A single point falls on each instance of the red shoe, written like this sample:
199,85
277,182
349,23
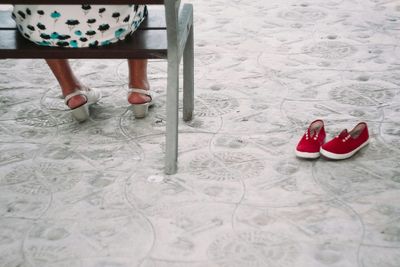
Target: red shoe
346,144
310,144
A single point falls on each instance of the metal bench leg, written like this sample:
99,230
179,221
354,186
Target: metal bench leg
188,78
171,153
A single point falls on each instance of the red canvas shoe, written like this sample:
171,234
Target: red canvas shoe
346,144
310,144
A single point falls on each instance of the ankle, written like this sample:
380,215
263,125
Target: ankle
143,84
72,88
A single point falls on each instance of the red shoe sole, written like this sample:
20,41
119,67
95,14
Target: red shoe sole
307,155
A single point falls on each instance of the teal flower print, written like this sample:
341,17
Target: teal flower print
54,35
44,43
119,32
55,15
73,43
106,42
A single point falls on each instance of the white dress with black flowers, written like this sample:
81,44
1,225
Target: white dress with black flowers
77,26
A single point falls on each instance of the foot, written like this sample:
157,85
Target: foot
140,108
78,100
82,95
137,98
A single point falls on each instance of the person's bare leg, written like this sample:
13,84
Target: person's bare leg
69,83
138,79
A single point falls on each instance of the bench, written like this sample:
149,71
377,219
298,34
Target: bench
161,36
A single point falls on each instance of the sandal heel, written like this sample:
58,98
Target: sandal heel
140,110
81,113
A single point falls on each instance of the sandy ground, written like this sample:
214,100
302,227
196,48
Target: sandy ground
94,194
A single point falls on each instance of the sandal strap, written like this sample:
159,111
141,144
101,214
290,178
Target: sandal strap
76,93
141,91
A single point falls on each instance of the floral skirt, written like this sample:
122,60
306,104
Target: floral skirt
77,26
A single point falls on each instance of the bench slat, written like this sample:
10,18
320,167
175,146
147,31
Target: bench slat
79,2
155,20
150,44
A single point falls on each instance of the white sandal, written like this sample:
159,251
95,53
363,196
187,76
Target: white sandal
140,110
81,113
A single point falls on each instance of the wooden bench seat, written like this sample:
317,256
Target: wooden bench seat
165,34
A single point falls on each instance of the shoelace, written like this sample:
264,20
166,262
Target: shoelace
345,138
315,136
